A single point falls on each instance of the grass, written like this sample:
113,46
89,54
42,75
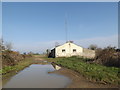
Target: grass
21,65
92,71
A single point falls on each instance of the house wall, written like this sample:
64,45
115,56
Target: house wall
52,53
68,50
88,53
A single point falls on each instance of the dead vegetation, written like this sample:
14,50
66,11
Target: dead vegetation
109,56
10,57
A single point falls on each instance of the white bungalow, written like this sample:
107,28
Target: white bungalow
70,49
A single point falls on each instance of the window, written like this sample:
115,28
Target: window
63,50
74,50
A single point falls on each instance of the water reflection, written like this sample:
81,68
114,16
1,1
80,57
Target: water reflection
56,67
37,76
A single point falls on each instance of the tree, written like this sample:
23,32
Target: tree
2,47
24,53
92,47
8,45
48,51
56,44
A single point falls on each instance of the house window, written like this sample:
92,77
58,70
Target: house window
74,50
63,50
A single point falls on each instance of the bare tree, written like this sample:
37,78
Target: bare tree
8,45
2,47
0,44
1,41
56,44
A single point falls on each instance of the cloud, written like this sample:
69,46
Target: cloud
42,46
99,41
39,47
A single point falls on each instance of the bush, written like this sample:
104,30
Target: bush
11,58
108,56
92,47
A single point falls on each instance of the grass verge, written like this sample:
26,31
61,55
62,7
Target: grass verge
21,65
94,72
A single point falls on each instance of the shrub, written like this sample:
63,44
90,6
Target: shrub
108,57
92,47
11,58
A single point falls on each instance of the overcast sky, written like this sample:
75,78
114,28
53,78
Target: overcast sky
36,26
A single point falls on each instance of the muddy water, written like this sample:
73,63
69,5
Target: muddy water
37,76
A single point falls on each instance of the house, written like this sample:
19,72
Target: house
70,49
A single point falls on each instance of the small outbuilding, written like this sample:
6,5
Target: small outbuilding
70,49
